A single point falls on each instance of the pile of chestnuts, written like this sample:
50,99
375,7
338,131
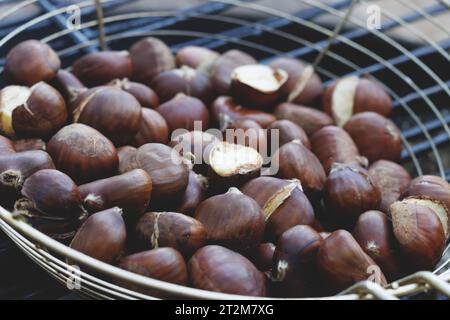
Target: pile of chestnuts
116,159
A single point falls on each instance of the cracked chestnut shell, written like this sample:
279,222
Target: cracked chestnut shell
218,269
102,236
130,191
232,219
196,57
374,233
83,153
38,111
288,131
113,112
351,95
392,180
153,129
30,62
342,262
375,136
349,192
168,229
99,68
332,144
421,229
145,95
309,119
283,203
149,57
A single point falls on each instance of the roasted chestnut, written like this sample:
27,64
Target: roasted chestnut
349,192
68,85
30,62
38,111
102,236
153,128
195,57
216,268
375,136
225,111
288,131
168,229
294,262
294,161
257,85
185,80
83,153
421,229
6,146
392,180
194,194
232,219
342,263
373,231
29,145
223,67
150,57
309,119
99,68
146,96
247,133
130,191
183,111
113,112
283,203
332,144
350,95
303,85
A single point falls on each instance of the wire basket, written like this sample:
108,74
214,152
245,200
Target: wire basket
420,104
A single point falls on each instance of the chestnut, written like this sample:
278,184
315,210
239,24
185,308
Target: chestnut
189,81
38,111
350,95
165,167
294,262
125,155
374,233
150,56
262,256
223,67
224,111
83,153
283,203
153,128
146,97
113,112
68,85
102,236
130,191
168,229
195,57
375,136
30,62
216,268
247,133
342,262
294,161
392,180
29,144
349,192
99,68
309,119
232,219
232,165
421,229
194,194
183,111
257,85
165,264
303,85
288,131
332,144
6,146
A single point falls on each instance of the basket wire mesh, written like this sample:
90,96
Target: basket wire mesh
425,139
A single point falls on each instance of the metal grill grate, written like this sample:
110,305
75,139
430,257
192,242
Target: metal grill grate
414,73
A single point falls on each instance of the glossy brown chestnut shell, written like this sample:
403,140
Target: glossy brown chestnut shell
29,144
125,155
218,269
153,129
6,146
377,137
232,219
168,229
262,256
195,57
68,85
283,203
145,95
30,62
288,131
195,193
83,153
